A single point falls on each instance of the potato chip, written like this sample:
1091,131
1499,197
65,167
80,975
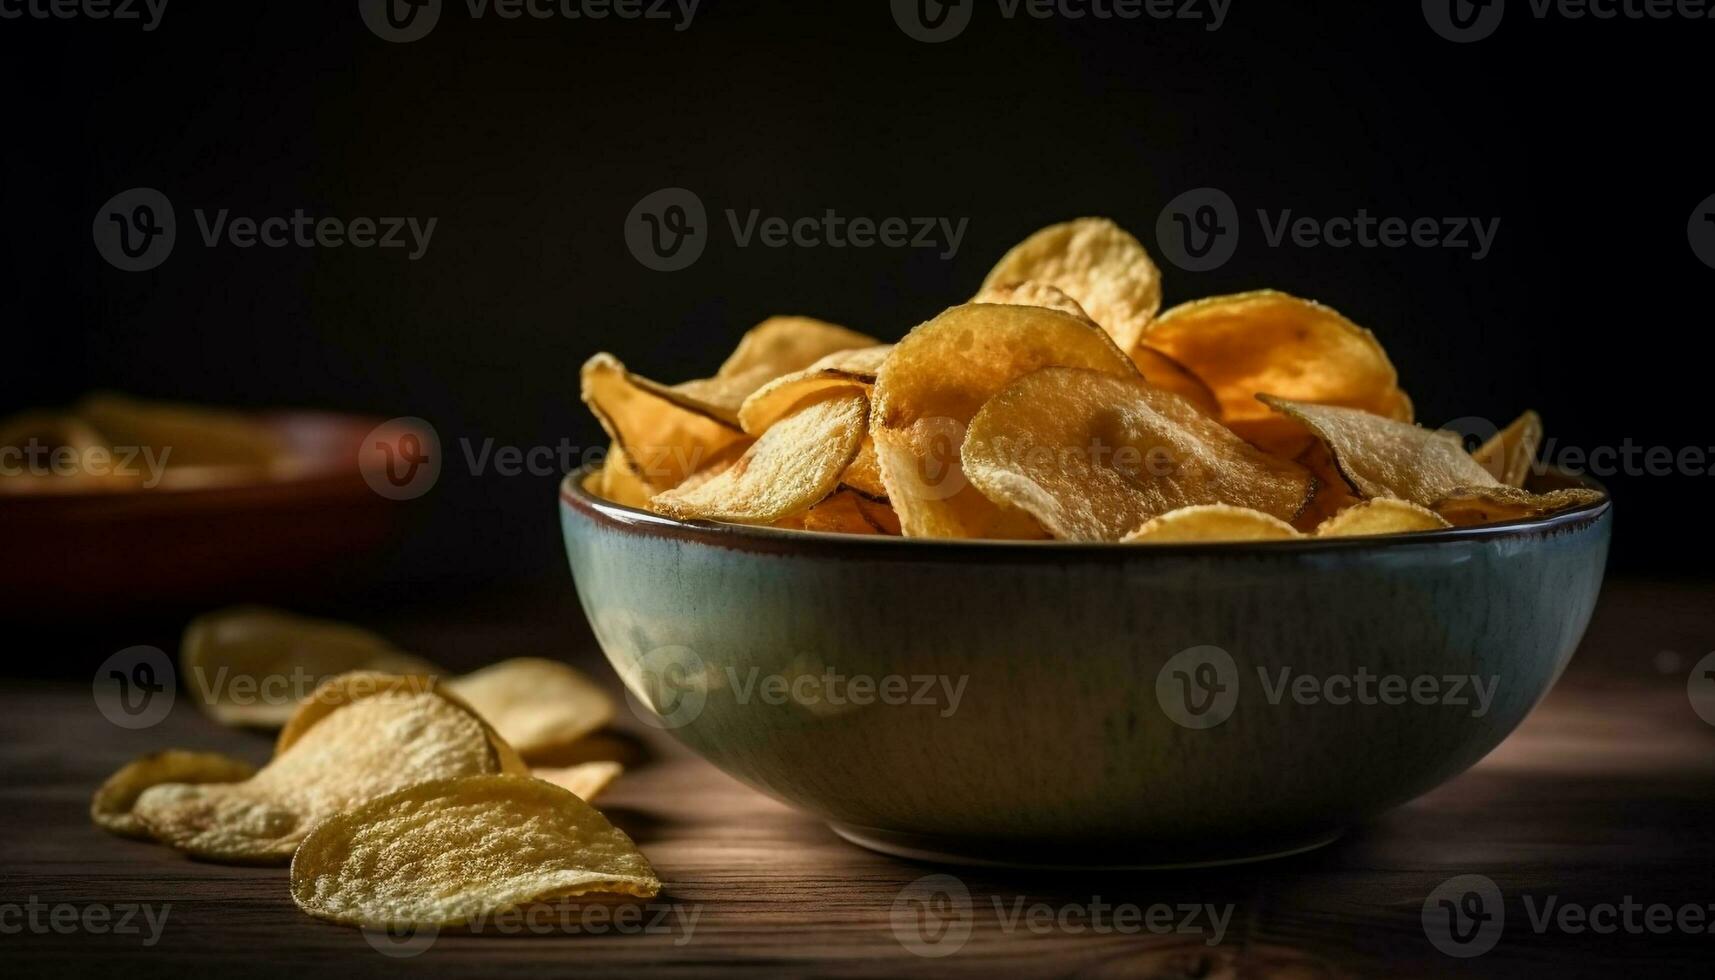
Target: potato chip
880,514
365,749
1212,522
1333,493
618,481
1510,453
585,780
1032,293
111,806
1384,458
249,665
1270,343
1092,456
1486,505
1383,515
662,439
864,474
796,463
842,513
446,852
783,344
937,379
348,688
196,435
1097,263
854,369
536,705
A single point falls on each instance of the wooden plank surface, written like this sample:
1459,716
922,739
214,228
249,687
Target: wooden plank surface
1606,793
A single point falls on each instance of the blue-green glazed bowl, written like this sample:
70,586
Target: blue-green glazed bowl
1075,705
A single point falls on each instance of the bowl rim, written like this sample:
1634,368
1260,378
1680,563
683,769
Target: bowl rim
575,498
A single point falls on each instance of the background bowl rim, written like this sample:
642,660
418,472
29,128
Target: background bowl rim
575,498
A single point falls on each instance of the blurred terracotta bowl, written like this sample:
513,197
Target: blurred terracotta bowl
211,533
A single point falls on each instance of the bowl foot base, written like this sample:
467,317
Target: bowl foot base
980,854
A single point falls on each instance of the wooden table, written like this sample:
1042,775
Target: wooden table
1607,791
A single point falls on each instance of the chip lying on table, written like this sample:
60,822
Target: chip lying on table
1061,403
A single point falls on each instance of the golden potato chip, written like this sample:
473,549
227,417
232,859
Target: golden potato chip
1383,515
773,401
864,475
1097,263
585,780
1164,372
536,705
796,463
196,435
1333,493
1212,522
111,806
249,665
1384,458
937,379
783,344
443,853
842,513
1032,293
1270,343
364,749
662,439
618,481
1510,453
1092,456
1487,505
337,692
880,514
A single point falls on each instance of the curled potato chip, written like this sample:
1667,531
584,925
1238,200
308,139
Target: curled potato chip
662,439
864,474
348,688
361,750
1271,343
585,780
1092,456
1384,458
1509,454
773,401
111,806
445,852
796,463
934,383
250,665
537,705
1164,372
1486,505
1212,522
1383,515
618,481
1333,493
1098,264
783,344
842,513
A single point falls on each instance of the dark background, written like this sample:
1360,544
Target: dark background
530,141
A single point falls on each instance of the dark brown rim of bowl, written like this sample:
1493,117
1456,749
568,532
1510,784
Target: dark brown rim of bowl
772,540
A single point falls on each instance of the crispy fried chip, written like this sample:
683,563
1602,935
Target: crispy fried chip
1212,522
1384,458
1383,515
864,475
111,806
1486,505
337,692
662,439
796,463
937,379
842,513
1164,372
537,705
443,853
585,780
1093,456
249,665
1333,493
1509,454
1270,343
364,749
783,344
617,480
1098,264
855,369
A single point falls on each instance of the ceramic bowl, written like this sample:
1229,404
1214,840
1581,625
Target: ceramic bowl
1073,705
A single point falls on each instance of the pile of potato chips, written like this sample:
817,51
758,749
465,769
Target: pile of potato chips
399,798
1060,404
